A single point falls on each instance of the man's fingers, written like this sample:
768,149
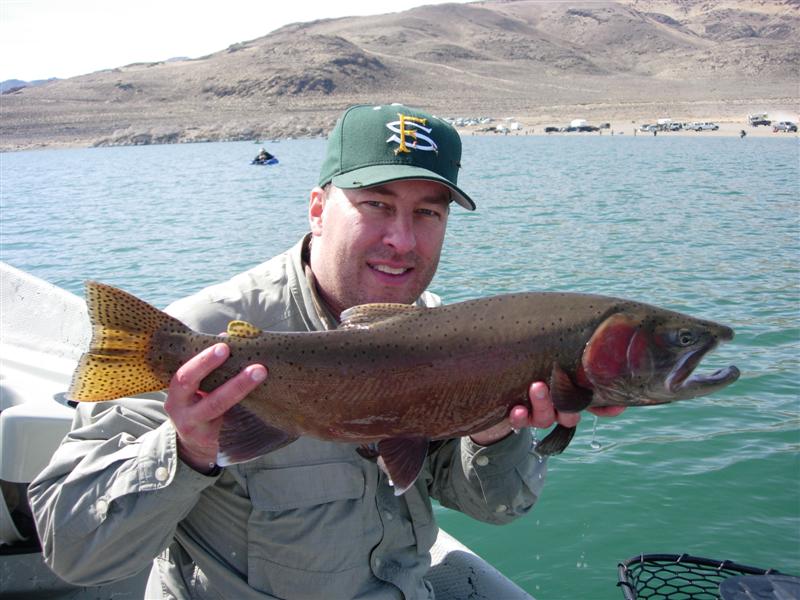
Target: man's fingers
568,419
519,417
183,389
186,381
606,411
544,414
197,415
230,393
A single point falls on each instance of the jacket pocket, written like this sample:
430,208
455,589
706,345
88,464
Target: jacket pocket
307,518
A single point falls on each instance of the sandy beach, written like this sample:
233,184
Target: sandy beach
631,128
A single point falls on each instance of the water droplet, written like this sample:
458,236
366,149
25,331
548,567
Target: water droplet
594,444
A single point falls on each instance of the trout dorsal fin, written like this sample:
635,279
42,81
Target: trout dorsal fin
361,317
243,329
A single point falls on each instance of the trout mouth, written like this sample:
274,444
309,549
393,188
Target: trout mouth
682,382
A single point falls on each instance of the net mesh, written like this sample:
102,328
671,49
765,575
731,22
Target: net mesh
677,576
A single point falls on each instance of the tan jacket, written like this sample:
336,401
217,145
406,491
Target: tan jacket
307,521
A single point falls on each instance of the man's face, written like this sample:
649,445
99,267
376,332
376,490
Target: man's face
378,244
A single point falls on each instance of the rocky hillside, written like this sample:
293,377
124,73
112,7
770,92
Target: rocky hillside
536,60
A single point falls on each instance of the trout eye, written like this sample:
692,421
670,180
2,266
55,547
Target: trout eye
686,337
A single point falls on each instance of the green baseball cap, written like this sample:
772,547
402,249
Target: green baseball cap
371,145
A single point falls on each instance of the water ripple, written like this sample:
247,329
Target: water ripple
710,227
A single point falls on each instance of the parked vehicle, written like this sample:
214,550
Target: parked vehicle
786,126
759,119
705,126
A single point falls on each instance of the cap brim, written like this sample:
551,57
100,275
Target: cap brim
379,174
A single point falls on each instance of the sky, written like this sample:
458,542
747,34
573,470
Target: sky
40,39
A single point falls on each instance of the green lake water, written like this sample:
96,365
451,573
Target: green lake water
708,226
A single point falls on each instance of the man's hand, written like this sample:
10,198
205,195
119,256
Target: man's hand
542,416
196,415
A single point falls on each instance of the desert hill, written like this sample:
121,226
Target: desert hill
539,61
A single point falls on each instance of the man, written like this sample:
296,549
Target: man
137,479
263,156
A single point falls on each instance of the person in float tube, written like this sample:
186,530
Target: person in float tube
135,481
263,156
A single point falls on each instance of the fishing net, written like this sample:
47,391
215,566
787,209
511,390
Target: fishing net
678,576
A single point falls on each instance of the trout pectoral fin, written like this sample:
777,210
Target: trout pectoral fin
243,329
556,441
402,460
365,315
244,436
566,396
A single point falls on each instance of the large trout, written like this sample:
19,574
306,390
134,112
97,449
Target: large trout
395,376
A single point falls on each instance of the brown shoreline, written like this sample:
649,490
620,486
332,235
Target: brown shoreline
631,129
528,127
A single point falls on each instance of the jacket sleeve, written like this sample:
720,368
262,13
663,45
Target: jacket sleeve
111,497
495,484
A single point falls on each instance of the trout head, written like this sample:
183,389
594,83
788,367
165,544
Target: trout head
649,356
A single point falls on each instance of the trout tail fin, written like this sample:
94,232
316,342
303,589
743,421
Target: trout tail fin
118,361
